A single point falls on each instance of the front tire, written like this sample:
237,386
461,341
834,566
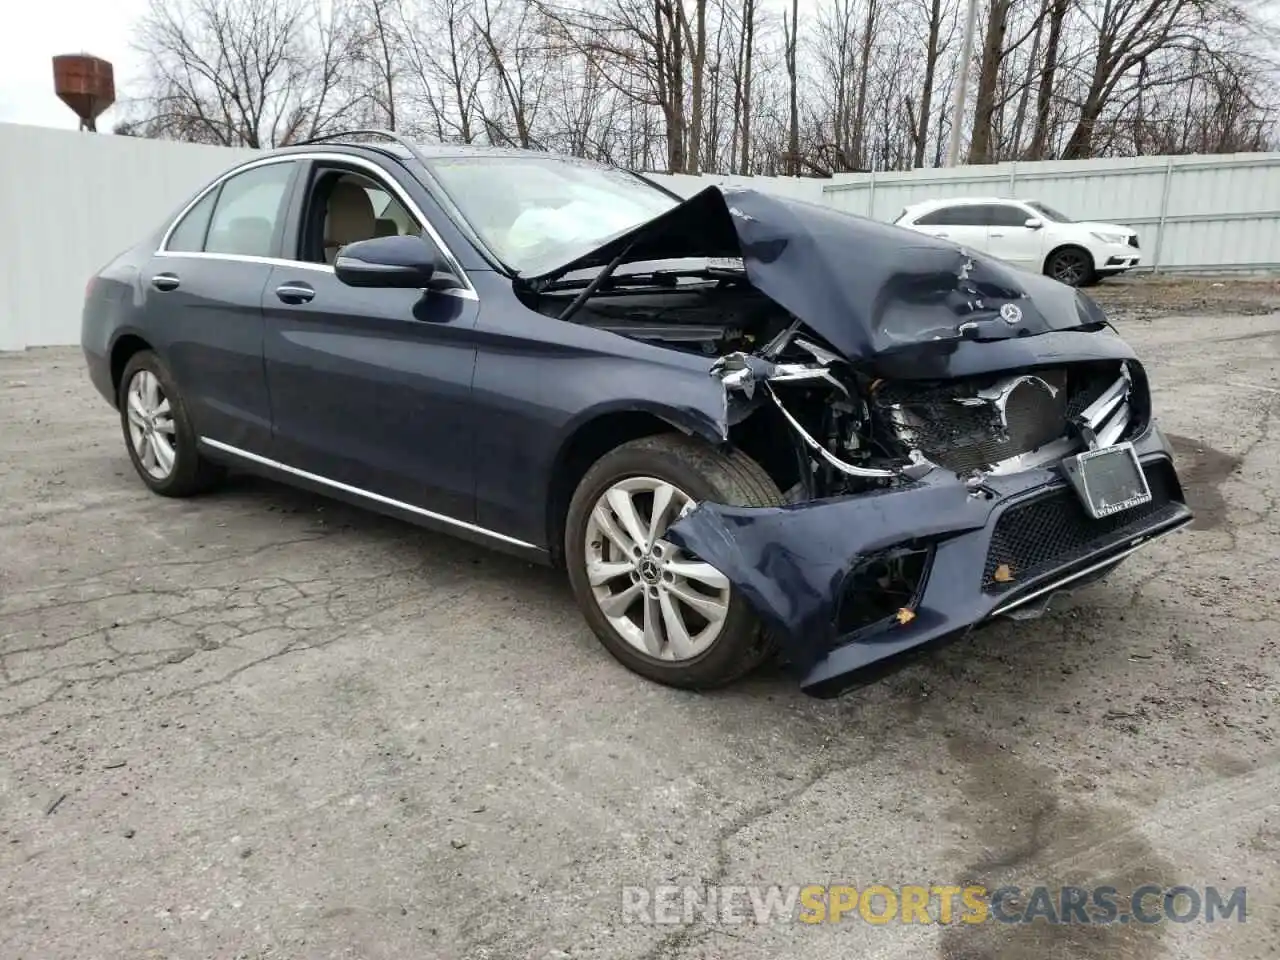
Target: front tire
158,432
1073,266
662,613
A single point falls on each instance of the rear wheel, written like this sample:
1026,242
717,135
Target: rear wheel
1072,266
661,612
158,432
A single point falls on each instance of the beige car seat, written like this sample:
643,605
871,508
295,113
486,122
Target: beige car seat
350,218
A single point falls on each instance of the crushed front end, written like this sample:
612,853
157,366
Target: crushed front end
931,501
956,439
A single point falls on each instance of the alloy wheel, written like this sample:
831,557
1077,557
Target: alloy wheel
1069,267
663,602
151,428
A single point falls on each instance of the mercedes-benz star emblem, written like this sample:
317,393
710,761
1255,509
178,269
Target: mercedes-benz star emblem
1010,313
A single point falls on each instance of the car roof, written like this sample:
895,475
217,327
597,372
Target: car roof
963,201
428,150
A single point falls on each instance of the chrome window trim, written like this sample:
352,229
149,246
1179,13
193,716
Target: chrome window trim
466,293
376,497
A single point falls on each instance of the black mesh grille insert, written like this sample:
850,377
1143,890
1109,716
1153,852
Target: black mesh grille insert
1053,530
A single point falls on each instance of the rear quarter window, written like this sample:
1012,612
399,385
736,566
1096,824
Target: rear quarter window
188,235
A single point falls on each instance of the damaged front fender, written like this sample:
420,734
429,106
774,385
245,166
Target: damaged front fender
790,563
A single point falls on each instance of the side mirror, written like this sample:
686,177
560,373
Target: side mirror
406,262
1034,223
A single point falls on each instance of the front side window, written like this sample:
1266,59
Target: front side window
537,213
249,208
1048,212
1002,215
348,207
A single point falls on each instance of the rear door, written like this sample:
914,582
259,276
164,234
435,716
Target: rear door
203,304
370,388
1009,237
960,223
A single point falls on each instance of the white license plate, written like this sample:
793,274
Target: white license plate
1109,480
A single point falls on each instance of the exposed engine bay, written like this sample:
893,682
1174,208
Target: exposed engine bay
708,316
849,431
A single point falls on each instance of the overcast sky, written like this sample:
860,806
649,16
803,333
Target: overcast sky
29,42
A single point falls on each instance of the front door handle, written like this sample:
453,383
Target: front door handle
295,292
165,281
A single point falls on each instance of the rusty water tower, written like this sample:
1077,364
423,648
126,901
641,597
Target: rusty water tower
85,84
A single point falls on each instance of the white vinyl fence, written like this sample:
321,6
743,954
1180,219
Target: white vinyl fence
1191,213
71,201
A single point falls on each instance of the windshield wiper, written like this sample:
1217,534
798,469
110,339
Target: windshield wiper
649,278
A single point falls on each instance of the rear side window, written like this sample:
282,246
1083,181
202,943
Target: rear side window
249,209
967,215
188,235
956,215
936,217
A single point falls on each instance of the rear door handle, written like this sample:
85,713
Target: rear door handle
295,292
165,281
997,234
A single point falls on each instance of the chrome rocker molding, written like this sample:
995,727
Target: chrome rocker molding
365,494
1141,541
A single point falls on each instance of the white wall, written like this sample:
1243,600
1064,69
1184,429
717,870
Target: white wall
71,201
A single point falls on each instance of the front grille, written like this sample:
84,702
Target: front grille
1054,530
958,425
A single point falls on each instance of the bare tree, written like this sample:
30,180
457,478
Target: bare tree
715,85
255,73
511,41
791,33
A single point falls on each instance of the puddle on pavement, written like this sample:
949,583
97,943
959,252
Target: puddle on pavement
1203,470
1019,832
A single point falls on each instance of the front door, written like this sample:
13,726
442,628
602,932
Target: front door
1010,239
370,388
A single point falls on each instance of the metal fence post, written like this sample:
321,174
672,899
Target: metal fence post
1164,213
871,198
1013,178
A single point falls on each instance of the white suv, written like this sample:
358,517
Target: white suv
1029,234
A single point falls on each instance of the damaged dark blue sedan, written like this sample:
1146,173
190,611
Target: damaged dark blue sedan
745,425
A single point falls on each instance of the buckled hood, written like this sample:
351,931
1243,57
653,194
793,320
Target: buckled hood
868,288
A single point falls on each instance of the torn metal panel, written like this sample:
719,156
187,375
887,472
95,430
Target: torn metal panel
743,374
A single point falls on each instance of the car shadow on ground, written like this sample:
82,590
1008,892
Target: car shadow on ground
1044,648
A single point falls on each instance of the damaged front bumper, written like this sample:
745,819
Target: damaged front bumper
968,555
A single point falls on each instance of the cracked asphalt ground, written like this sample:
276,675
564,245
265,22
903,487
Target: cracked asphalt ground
261,724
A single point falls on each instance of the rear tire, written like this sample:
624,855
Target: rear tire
685,648
158,432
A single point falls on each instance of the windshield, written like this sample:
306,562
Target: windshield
536,213
1048,212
